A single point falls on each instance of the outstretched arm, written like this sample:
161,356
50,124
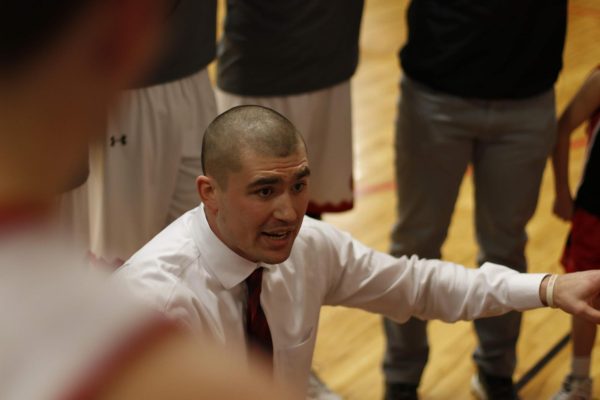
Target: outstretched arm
576,293
433,289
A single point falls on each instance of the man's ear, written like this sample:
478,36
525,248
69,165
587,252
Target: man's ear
208,190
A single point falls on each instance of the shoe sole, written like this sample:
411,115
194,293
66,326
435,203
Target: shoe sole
477,389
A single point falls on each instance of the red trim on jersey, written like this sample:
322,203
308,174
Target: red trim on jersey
118,359
314,208
103,263
22,215
320,208
581,251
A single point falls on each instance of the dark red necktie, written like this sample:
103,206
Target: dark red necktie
257,328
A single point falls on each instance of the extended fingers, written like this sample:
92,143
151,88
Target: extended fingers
589,313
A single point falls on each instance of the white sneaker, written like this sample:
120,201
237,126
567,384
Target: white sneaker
575,389
318,390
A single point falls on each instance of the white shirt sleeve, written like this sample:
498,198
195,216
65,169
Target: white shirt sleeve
428,289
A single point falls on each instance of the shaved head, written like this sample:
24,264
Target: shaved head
246,130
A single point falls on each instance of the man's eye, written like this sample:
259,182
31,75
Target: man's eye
298,187
264,192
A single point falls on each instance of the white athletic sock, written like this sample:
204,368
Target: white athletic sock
580,367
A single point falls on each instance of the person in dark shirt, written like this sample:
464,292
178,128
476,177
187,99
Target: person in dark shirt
477,89
297,57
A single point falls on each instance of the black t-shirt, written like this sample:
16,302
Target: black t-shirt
284,47
487,49
190,42
588,195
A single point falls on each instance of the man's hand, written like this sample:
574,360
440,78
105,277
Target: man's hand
577,293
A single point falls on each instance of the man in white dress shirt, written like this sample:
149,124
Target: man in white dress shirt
254,194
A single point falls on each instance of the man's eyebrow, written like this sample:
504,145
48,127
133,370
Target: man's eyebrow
264,182
303,173
273,180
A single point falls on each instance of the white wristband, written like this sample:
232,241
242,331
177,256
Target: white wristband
550,291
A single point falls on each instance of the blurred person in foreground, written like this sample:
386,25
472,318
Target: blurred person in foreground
67,332
249,269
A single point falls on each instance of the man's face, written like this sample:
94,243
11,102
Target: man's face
261,210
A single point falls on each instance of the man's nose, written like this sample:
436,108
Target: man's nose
285,210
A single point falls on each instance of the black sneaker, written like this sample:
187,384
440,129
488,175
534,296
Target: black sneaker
401,391
491,387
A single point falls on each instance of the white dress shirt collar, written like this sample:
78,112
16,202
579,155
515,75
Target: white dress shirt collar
226,265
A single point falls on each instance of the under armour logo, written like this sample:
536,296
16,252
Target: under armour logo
114,140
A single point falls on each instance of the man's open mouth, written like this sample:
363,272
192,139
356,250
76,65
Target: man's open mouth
278,234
